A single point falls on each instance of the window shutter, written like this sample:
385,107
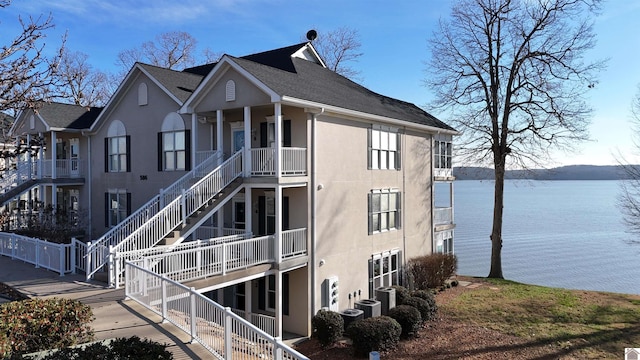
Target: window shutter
285,294
262,209
106,209
399,207
106,154
264,135
261,294
160,151
128,203
370,212
369,148
285,213
128,146
286,128
398,151
187,145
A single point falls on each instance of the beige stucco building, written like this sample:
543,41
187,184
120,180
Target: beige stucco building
324,188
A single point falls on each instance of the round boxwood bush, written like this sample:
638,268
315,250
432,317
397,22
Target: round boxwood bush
118,349
328,327
401,294
426,311
378,333
431,299
408,317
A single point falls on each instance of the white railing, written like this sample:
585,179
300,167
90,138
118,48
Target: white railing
65,168
209,232
196,260
442,215
220,331
294,243
60,258
264,322
443,172
211,260
121,257
202,156
23,172
294,161
98,257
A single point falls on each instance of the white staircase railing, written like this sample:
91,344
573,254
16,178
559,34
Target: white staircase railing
23,172
220,331
98,251
179,210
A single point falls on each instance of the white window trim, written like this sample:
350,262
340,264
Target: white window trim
396,210
389,278
383,155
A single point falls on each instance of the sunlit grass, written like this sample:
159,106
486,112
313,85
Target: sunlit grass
595,324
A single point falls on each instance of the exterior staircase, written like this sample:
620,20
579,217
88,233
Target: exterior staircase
169,217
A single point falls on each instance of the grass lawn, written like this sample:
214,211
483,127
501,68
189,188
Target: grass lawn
585,323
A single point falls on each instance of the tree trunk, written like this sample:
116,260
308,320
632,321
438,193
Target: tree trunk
496,230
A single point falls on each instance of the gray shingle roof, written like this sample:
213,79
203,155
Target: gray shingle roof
181,84
68,116
310,81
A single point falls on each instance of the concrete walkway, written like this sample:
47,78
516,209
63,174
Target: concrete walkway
114,317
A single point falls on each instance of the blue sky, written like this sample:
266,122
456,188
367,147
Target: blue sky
393,36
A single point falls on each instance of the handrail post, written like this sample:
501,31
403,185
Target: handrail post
111,267
73,251
183,202
277,349
163,284
228,332
37,259
224,259
61,260
192,312
87,265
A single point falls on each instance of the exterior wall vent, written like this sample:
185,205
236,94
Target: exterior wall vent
231,90
142,94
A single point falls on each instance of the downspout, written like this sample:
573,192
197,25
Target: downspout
89,172
403,211
314,206
433,184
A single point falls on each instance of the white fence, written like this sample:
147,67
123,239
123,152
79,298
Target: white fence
223,333
61,258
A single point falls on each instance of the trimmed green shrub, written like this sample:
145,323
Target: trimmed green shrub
119,349
430,298
41,324
409,319
431,271
378,333
401,294
328,327
427,312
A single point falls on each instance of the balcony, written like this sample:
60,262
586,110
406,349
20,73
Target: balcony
442,216
294,161
443,173
64,168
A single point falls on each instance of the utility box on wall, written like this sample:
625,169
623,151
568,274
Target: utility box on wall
330,293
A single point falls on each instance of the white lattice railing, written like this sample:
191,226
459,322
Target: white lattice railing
223,333
265,323
98,251
23,172
294,161
65,168
209,232
294,243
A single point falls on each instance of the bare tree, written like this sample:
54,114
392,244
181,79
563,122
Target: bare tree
512,75
338,48
26,74
79,82
172,50
629,198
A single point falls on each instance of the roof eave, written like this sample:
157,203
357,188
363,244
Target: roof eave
287,100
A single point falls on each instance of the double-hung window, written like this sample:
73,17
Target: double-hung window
384,210
117,206
384,148
174,151
117,149
384,270
442,154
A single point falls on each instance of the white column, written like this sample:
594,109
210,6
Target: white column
29,161
278,130
278,330
219,130
277,246
194,140
54,155
247,142
40,158
220,214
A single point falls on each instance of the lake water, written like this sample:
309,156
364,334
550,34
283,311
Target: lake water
556,233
